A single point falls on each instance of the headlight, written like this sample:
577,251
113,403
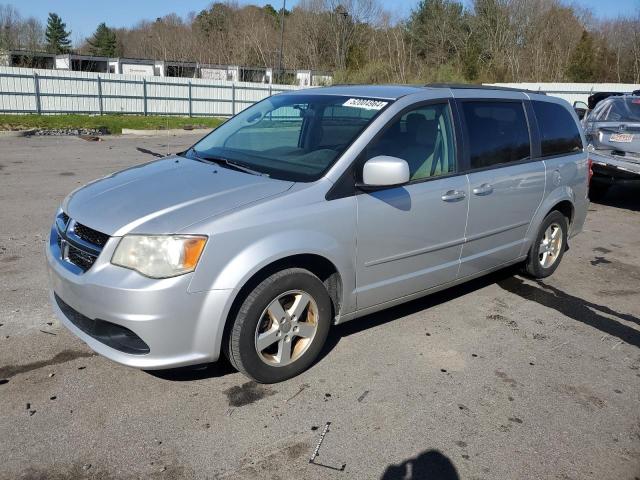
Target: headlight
159,256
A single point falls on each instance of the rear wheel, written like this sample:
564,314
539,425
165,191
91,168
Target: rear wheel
280,327
548,248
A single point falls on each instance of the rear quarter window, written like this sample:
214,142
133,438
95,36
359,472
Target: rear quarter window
559,134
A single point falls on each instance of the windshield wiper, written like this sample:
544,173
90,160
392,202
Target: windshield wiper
228,163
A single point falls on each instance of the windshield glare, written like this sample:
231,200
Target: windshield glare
291,137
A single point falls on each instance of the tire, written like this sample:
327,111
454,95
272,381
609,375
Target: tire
598,190
303,338
537,265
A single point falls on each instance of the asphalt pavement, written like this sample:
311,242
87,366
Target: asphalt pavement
500,378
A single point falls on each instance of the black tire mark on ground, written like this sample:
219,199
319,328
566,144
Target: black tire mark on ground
9,371
599,261
247,393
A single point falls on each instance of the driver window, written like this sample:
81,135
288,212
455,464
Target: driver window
423,137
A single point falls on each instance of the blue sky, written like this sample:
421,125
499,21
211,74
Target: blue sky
82,16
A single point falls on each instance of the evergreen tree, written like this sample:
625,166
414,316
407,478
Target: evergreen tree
104,42
582,63
56,35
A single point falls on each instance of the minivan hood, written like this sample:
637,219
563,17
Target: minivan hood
166,196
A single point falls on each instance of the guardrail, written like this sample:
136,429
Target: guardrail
44,92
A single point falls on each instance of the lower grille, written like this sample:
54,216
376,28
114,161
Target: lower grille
80,258
112,335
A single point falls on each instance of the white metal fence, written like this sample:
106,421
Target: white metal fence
573,92
27,90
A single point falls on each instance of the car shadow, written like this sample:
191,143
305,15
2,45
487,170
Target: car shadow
576,308
429,465
222,367
405,309
197,372
622,196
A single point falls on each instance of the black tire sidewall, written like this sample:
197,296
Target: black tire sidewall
533,264
242,341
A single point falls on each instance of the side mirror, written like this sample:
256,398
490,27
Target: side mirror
385,171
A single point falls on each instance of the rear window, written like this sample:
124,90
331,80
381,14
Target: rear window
621,109
498,133
559,134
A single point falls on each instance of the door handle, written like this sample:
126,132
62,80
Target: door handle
453,196
484,189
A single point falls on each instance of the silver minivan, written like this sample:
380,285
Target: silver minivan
309,209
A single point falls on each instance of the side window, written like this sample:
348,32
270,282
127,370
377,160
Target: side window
559,134
424,138
498,132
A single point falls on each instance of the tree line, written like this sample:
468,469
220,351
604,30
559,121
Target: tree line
359,41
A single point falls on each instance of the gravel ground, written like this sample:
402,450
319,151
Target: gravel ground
501,378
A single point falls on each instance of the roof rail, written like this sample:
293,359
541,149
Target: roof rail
480,87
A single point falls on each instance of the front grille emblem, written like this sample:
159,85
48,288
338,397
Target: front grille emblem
64,245
64,249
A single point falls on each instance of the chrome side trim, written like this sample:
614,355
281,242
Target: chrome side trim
413,253
495,231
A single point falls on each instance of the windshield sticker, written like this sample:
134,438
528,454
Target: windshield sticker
367,104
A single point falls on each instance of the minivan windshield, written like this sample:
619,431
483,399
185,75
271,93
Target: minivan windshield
289,137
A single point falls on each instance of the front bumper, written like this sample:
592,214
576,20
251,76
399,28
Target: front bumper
178,327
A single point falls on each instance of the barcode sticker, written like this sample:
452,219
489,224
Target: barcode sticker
367,104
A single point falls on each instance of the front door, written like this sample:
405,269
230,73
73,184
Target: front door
409,238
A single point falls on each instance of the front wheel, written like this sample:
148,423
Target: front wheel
280,327
548,247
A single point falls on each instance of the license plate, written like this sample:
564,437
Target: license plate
621,137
